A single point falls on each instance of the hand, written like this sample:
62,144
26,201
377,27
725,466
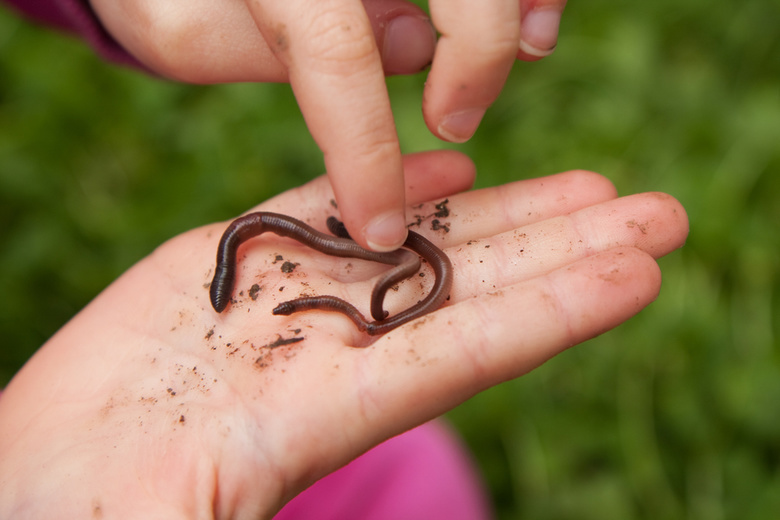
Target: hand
151,405
335,55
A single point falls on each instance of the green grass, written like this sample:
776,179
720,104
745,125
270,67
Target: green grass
675,414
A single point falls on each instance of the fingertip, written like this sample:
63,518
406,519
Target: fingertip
372,205
676,219
459,127
619,282
386,232
539,33
408,44
592,182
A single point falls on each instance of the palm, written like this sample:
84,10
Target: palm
160,380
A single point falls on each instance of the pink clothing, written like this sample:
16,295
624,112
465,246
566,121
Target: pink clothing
423,474
77,16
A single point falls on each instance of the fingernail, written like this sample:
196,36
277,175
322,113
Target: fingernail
539,32
386,232
460,126
408,45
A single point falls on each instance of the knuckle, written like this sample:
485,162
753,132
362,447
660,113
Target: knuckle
340,42
503,42
378,148
368,151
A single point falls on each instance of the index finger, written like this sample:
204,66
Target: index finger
335,70
477,48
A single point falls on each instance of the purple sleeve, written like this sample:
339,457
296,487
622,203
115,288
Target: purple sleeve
77,16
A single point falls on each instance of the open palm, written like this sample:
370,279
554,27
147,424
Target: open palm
150,404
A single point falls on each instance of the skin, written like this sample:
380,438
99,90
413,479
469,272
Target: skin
148,404
340,51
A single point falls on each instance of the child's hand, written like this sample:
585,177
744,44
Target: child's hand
149,404
335,55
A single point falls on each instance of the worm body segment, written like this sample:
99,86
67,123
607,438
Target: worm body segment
404,261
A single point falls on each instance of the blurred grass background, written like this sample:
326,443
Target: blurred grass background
675,414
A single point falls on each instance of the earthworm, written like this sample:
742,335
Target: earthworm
406,263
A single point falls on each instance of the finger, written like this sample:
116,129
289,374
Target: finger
654,223
404,34
197,41
539,28
419,372
478,45
475,214
489,211
200,41
428,175
336,74
632,220
436,174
